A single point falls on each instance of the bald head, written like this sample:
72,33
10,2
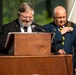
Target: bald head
59,16
58,10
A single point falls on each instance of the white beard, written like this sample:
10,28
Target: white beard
27,25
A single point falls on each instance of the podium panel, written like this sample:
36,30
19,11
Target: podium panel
36,65
31,43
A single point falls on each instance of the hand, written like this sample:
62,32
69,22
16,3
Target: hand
61,51
66,29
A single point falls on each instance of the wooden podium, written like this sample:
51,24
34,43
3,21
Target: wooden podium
29,43
32,56
36,65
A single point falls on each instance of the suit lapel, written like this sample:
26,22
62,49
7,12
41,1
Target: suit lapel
33,29
17,26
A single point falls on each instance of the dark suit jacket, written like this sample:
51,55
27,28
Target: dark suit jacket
70,37
13,27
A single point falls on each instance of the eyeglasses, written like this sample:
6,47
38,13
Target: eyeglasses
26,17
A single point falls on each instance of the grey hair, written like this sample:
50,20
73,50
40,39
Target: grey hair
25,7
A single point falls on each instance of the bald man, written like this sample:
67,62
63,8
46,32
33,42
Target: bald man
65,32
67,29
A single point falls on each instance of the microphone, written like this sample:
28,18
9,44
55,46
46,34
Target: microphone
37,28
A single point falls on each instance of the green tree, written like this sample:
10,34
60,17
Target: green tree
43,9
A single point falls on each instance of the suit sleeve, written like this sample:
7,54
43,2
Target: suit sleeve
56,44
3,37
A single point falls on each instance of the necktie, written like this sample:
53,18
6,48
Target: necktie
25,29
63,38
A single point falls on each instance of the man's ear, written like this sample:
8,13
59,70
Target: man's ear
18,13
53,17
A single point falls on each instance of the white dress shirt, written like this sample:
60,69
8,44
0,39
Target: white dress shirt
29,28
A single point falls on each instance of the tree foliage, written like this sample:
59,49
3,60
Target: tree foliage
43,9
